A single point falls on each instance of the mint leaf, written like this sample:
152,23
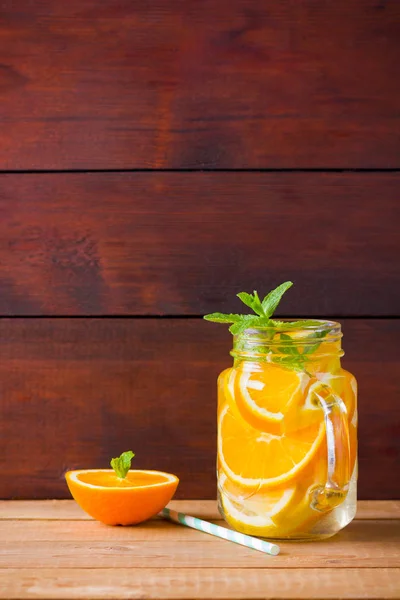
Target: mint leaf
317,335
246,298
246,322
293,359
271,300
221,318
122,464
289,347
291,362
257,306
253,301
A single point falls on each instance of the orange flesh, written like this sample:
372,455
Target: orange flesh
132,479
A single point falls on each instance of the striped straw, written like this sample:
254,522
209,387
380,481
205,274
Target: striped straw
221,532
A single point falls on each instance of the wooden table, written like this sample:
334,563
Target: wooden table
51,549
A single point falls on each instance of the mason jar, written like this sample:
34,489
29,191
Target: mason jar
287,433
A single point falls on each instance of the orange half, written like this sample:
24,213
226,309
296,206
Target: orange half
114,501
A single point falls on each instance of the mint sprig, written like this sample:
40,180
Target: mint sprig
122,464
263,311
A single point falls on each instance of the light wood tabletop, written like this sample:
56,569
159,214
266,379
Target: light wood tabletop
52,550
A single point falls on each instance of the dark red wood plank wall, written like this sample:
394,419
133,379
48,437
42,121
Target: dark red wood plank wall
76,391
155,159
99,84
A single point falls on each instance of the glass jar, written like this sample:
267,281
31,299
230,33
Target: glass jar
287,433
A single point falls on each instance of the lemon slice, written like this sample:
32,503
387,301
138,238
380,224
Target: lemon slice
258,515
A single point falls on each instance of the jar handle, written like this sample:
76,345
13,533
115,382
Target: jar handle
334,492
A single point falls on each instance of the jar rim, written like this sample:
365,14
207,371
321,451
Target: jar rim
261,341
331,327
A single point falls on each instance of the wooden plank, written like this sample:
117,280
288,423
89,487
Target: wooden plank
195,583
362,544
94,387
204,553
56,510
292,84
174,243
13,530
68,510
373,509
86,529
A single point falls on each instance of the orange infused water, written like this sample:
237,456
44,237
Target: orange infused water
287,432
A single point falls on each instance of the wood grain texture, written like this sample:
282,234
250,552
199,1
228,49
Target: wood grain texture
156,544
82,559
100,84
362,545
197,583
176,243
18,511
77,391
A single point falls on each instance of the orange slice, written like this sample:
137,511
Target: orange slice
253,458
344,384
265,395
114,501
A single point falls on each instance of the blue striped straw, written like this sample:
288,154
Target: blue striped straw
221,532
